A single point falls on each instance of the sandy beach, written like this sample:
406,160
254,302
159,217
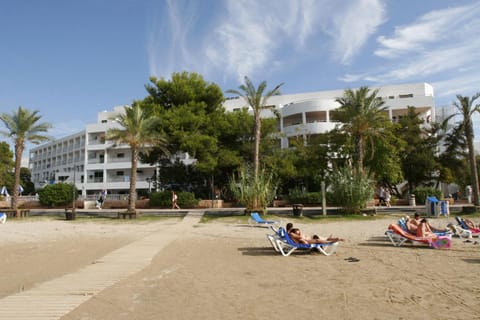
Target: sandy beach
224,269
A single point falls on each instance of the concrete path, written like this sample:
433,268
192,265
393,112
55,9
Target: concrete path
55,298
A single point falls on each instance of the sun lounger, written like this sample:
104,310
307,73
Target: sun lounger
255,219
398,236
459,231
286,246
279,234
475,231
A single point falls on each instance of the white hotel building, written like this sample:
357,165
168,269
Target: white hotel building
95,163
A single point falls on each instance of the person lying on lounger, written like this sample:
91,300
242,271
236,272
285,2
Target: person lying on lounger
470,224
298,237
412,224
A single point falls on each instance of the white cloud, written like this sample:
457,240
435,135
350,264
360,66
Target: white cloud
168,38
438,45
434,27
352,25
247,40
252,38
466,85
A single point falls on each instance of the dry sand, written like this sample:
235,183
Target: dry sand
227,270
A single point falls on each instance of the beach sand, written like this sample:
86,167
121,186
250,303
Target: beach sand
228,270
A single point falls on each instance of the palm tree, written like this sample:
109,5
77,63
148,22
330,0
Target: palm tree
137,130
22,126
466,109
257,99
363,117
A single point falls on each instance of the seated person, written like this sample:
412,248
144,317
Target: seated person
411,224
424,230
289,227
417,220
298,237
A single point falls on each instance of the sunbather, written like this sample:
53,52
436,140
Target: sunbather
413,224
424,230
470,224
298,237
289,227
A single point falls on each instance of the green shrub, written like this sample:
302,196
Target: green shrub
57,194
254,194
163,199
421,194
350,191
298,196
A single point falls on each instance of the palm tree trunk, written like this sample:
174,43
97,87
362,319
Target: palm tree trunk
133,180
18,164
473,165
256,153
359,155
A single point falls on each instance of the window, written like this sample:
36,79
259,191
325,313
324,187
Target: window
104,121
410,95
120,155
120,173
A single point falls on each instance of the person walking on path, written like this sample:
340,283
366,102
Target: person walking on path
174,201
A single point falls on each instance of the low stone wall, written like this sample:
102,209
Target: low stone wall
211,204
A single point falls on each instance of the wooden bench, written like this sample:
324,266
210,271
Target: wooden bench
19,213
124,214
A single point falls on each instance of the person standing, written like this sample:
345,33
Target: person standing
381,197
387,198
174,201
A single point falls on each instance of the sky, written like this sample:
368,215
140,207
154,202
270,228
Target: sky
72,59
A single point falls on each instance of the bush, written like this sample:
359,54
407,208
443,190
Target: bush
57,194
298,196
351,191
255,194
163,199
421,194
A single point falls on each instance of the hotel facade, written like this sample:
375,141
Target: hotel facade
93,163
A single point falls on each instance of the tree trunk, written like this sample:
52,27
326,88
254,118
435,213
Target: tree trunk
359,155
133,180
256,152
473,164
18,164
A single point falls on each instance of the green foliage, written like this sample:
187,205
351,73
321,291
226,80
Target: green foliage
349,190
297,195
363,117
421,194
191,111
6,166
57,194
257,99
137,130
418,159
163,199
22,126
255,194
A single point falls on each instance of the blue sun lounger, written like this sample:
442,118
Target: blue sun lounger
255,219
286,245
